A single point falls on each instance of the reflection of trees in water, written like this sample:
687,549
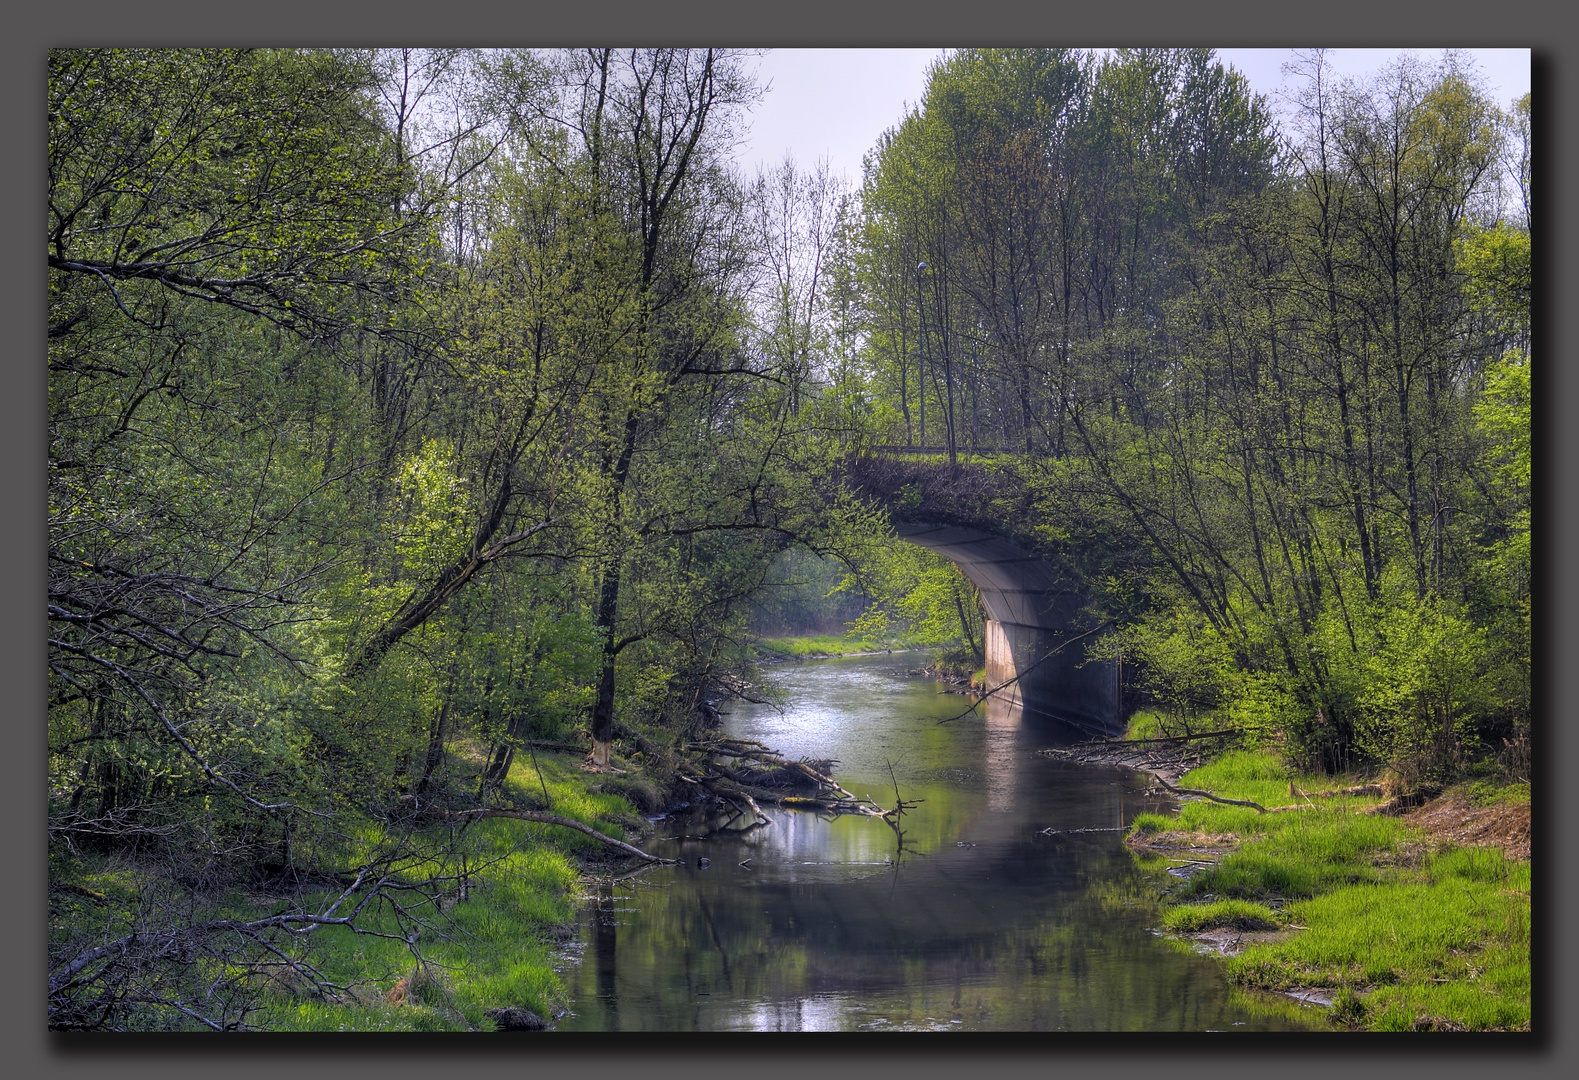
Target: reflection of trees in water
941,939
1015,932
605,942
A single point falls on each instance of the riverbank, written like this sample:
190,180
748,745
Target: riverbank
829,646
1417,920
489,956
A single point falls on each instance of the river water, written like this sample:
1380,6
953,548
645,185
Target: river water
976,921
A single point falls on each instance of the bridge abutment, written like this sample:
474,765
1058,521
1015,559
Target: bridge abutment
1035,637
1046,673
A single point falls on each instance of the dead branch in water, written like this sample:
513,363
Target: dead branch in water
756,773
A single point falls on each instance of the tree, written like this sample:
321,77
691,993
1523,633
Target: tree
220,222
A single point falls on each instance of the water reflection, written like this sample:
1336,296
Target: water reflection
977,922
1002,724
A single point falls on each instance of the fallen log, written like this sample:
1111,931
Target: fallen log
837,806
749,750
1257,807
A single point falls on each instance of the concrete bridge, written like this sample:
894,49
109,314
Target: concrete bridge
1036,632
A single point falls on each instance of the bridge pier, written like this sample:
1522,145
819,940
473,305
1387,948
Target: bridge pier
1033,620
1060,683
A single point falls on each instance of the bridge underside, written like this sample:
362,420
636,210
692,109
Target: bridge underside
1033,615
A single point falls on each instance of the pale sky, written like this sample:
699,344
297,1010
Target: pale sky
836,102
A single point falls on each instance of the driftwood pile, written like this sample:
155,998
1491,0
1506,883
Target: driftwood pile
744,773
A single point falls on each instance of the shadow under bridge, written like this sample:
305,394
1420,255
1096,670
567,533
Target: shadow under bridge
1035,634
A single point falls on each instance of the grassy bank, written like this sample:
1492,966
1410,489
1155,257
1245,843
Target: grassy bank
1403,929
491,944
822,646
485,938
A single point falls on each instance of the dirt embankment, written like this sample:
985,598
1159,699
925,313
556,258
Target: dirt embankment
1458,819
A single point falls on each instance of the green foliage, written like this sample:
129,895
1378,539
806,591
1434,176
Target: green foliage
406,407
1423,682
1185,670
1454,949
380,432
822,645
1496,264
1237,413
913,593
1150,823
1144,725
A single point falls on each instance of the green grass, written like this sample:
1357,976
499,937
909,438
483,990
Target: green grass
488,943
825,645
1449,946
1301,854
1488,793
1144,725
1151,824
1410,939
1233,914
493,949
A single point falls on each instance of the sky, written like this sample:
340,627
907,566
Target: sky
836,102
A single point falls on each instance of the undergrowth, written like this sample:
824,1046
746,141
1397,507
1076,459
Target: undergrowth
490,944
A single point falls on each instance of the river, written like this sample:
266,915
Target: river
977,921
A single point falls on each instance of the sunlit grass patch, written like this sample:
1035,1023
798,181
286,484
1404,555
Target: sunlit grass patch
1144,725
330,1016
1487,793
1259,776
488,942
1453,946
1482,864
1497,998
1150,824
1423,942
569,795
492,949
813,646
1302,854
1231,914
